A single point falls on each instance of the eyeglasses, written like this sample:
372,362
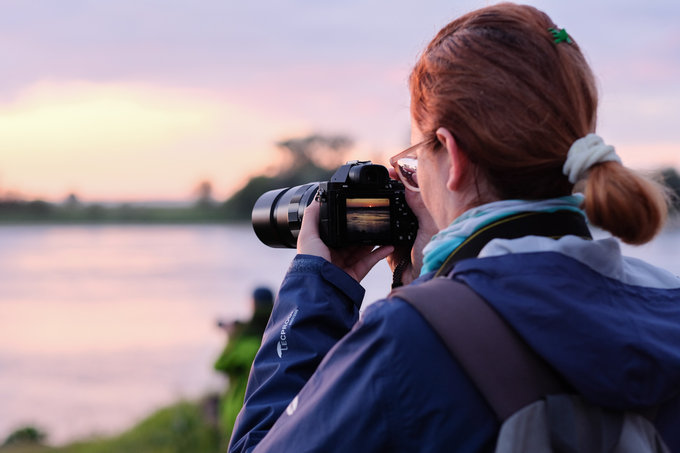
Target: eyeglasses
406,165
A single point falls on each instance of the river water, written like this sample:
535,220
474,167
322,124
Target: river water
100,325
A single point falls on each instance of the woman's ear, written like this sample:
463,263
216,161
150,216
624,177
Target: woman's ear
458,159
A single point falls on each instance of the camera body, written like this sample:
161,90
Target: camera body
360,205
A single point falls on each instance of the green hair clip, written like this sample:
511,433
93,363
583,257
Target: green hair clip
560,35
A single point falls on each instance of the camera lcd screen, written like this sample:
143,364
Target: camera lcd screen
368,219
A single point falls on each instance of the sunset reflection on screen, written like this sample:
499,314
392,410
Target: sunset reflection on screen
368,203
368,219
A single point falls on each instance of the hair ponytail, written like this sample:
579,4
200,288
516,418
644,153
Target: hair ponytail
629,206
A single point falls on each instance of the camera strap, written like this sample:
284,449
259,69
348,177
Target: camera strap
548,224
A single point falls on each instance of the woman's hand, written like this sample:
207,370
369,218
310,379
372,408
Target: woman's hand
426,229
356,261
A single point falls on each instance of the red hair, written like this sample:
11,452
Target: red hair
515,101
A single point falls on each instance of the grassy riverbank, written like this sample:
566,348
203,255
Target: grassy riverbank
185,427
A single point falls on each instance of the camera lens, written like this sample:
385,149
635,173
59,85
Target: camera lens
277,214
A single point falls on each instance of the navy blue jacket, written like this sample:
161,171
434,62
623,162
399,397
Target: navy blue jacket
325,380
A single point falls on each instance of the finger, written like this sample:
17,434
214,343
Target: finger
362,267
309,230
349,256
309,242
381,253
360,251
310,218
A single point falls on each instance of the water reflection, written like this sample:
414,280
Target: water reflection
101,325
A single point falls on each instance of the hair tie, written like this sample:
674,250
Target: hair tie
560,35
586,152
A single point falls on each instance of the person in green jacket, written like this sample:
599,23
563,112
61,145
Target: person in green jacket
244,340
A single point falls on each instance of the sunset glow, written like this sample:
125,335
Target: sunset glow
95,102
126,141
367,202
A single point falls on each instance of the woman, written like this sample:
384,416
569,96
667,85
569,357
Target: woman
503,109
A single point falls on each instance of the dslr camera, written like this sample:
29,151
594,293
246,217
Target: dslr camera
360,205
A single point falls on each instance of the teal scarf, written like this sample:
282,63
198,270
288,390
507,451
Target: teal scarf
446,241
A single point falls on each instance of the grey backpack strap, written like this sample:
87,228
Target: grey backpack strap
504,369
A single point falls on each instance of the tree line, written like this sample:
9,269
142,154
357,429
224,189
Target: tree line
304,159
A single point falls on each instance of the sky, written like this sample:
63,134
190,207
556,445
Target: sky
133,100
